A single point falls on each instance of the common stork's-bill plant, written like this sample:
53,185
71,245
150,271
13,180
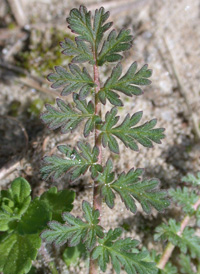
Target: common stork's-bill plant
93,47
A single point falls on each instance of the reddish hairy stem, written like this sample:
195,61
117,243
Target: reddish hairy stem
96,194
170,247
97,201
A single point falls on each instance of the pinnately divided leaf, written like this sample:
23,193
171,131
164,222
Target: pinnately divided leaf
193,180
76,230
119,251
145,134
74,80
80,23
186,241
78,49
127,84
185,198
131,187
74,161
115,44
68,118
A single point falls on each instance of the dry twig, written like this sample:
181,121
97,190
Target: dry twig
18,12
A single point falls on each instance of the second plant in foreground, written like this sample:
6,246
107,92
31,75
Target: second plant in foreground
90,47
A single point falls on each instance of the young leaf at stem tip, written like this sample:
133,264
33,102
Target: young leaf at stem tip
145,134
76,230
68,118
127,84
80,23
131,187
121,255
76,162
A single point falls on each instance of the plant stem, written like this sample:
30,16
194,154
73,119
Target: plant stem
170,247
97,201
96,194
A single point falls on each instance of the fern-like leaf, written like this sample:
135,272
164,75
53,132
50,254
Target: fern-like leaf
121,255
131,187
185,198
128,84
186,241
191,179
76,230
74,80
75,161
115,44
80,23
67,118
145,134
186,265
78,49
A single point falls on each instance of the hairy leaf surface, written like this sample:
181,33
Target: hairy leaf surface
75,161
14,202
186,241
25,219
145,134
186,265
119,251
76,230
67,118
58,201
127,84
194,180
131,187
74,80
115,44
79,49
80,23
185,198
17,252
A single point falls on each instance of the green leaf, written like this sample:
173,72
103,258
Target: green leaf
185,198
67,118
131,187
75,80
75,230
128,84
80,23
35,219
79,49
14,202
145,134
24,220
121,254
186,265
17,252
169,269
57,202
114,45
72,254
75,161
190,178
187,240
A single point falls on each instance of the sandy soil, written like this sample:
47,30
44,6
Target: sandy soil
166,36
